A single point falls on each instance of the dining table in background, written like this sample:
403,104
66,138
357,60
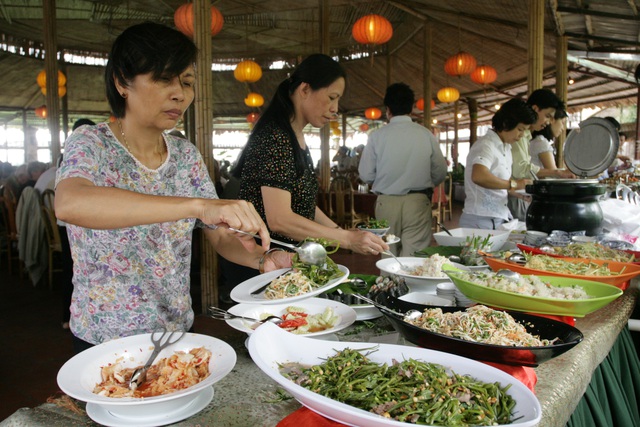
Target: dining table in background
600,377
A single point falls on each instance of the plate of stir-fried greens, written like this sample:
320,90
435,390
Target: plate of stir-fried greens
373,385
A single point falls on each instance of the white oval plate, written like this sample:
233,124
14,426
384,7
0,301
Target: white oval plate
79,375
242,292
270,345
347,315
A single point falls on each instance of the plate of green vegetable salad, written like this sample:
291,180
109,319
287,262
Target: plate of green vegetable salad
387,395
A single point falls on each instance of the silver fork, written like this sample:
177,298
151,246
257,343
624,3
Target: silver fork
139,376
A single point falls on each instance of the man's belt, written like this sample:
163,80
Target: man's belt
427,192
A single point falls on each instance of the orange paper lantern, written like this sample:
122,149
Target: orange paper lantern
62,91
420,104
484,74
364,127
183,19
448,94
254,100
372,29
459,64
372,113
253,117
42,79
247,71
41,111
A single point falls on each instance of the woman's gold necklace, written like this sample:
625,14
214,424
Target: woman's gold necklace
124,139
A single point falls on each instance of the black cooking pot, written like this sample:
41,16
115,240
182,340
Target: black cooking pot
568,205
572,204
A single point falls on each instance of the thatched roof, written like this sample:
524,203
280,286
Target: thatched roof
494,31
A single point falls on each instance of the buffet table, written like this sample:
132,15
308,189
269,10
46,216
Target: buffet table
595,384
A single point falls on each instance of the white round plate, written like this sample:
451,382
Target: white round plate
392,241
347,315
101,414
80,374
270,346
242,292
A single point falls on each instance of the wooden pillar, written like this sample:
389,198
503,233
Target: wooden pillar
203,111
536,44
473,120
325,131
562,71
454,144
426,75
51,68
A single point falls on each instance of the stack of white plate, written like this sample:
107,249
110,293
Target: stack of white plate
446,290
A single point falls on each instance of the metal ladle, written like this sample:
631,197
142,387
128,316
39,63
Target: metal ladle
509,274
411,314
308,252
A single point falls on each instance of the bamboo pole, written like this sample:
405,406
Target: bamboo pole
426,76
204,130
562,70
472,103
51,68
536,44
325,136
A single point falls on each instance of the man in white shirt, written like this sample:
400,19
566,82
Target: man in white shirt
403,163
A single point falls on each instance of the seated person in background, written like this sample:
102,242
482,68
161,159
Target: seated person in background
487,176
342,159
541,148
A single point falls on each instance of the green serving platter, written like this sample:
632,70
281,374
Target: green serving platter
601,294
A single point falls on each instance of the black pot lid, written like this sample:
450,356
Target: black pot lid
592,148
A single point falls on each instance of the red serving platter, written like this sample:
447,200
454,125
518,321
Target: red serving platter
620,280
536,251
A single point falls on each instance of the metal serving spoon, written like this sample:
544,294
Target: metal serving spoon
404,267
308,252
509,274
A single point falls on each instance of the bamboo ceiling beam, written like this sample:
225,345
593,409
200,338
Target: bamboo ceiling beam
536,44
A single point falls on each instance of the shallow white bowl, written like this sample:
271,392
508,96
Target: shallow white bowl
426,299
415,283
459,236
376,231
80,374
270,345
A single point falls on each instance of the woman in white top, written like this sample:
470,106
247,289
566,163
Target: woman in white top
541,147
487,176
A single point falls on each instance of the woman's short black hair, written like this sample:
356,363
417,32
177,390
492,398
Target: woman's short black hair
146,48
511,113
544,98
399,98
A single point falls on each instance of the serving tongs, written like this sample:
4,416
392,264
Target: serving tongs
411,314
139,376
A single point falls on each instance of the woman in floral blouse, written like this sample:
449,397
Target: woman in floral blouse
132,194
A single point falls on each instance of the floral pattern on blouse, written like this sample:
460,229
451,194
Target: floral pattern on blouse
270,162
132,280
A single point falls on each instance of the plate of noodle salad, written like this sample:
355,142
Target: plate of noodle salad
291,284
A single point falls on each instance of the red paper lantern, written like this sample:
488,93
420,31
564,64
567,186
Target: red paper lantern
372,113
253,117
484,74
183,18
364,127
459,64
247,71
420,104
41,111
372,29
254,100
42,79
448,94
